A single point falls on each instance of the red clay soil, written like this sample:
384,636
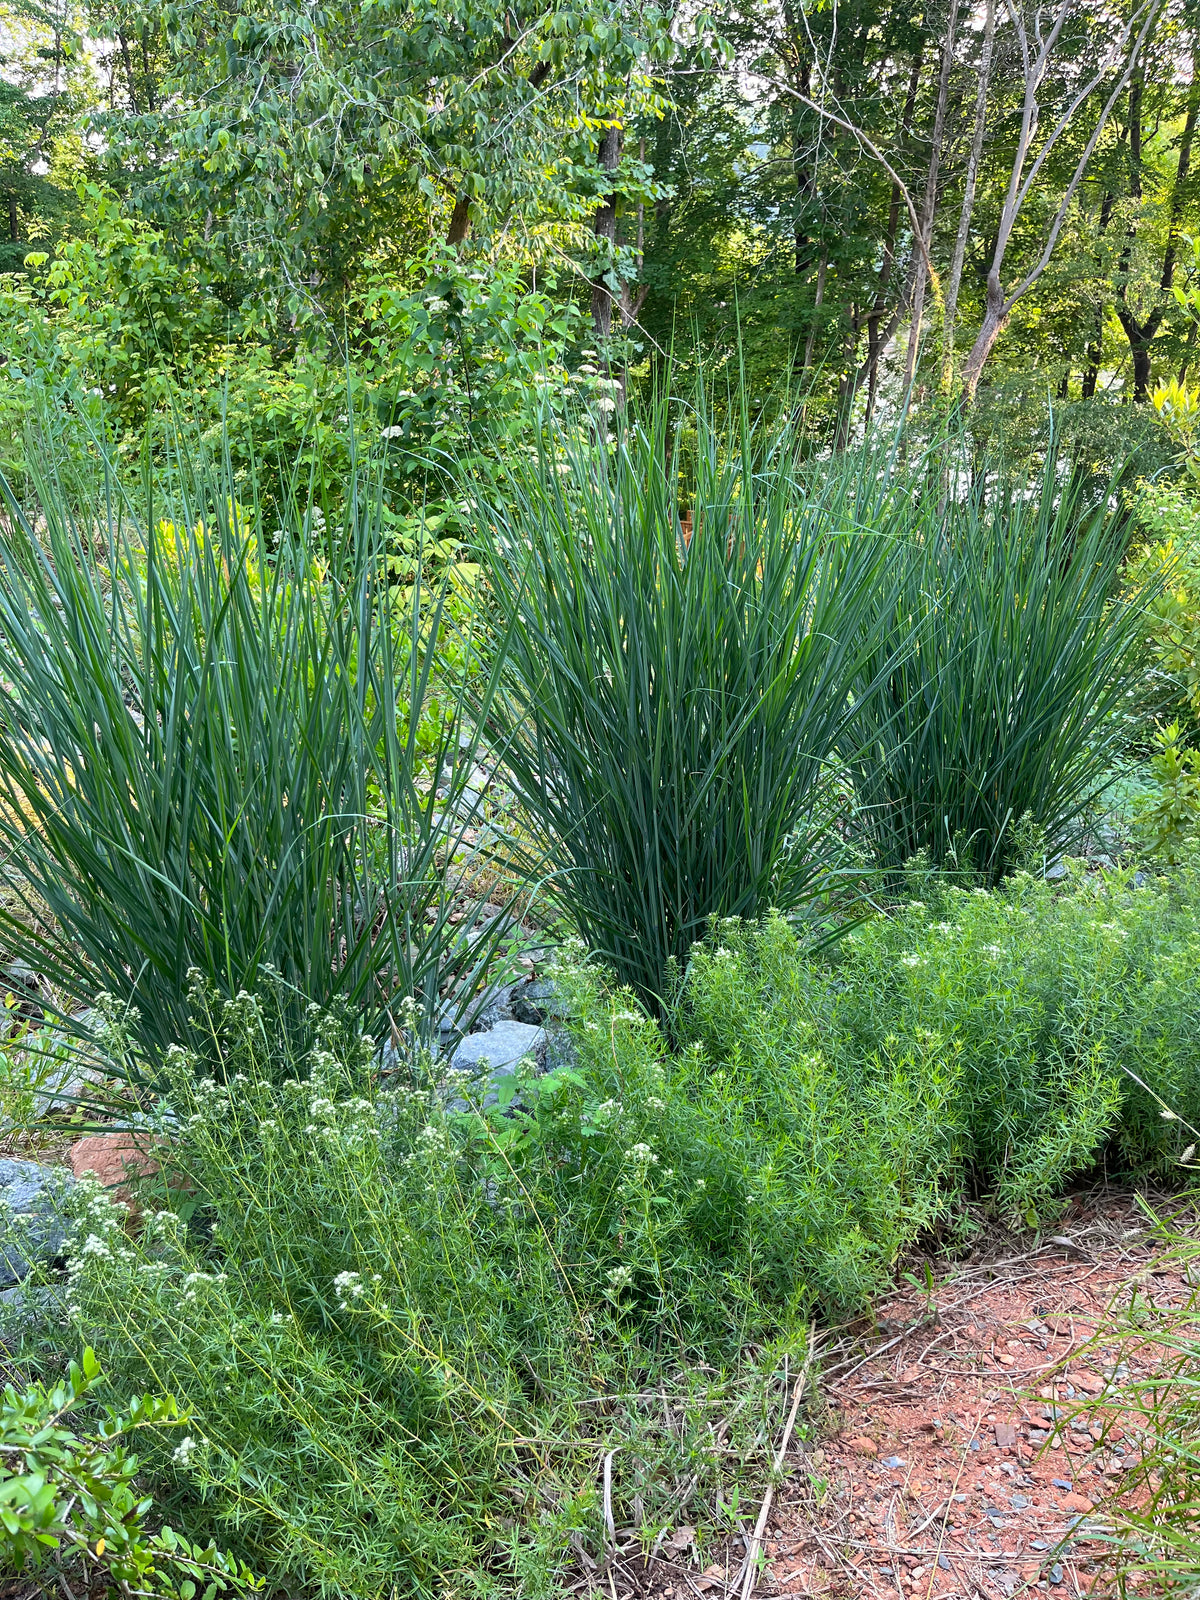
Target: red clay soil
945,1474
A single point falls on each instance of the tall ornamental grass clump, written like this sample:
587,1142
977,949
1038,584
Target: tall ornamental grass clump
217,753
674,694
1003,711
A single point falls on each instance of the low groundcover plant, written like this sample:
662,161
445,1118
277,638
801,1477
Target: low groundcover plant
410,1330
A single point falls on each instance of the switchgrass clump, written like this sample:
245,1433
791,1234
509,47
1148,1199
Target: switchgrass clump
219,753
1007,653
675,690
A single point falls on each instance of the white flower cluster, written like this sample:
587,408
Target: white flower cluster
350,1286
195,1283
641,1155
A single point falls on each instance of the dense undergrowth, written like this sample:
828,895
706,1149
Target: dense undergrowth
268,796
391,1315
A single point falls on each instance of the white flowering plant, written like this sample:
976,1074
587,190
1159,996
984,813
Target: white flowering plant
367,1289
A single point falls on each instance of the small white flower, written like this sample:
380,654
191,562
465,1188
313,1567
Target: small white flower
653,1103
910,961
184,1451
605,404
641,1155
394,432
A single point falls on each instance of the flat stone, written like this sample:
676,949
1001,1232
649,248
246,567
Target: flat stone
1006,1435
500,1049
32,1225
498,1052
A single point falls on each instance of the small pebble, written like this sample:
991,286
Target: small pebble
892,1461
1056,1573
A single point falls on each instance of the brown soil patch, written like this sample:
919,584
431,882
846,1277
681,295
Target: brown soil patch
950,1462
983,1480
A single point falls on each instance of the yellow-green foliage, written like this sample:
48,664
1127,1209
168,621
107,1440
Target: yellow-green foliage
1170,514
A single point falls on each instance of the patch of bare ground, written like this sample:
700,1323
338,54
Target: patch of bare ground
949,1460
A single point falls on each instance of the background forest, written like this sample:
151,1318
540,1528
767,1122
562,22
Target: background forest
248,207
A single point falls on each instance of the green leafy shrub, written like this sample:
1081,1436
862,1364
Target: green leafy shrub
1003,709
1076,1009
392,1321
673,700
215,754
69,1500
392,1314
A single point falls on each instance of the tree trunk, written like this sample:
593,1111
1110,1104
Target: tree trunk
877,338
146,72
127,60
460,221
1095,350
14,228
605,228
968,203
989,331
818,298
929,204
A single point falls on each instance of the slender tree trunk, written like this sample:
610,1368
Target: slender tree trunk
146,72
127,61
14,222
990,328
1141,331
877,338
1091,373
929,203
605,229
954,281
631,298
818,297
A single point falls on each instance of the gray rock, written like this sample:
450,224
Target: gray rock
499,1049
560,1048
535,1002
497,1052
29,1309
32,1224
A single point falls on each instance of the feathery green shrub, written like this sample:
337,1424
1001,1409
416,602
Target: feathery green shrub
393,1322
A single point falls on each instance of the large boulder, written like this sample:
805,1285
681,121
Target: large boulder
33,1224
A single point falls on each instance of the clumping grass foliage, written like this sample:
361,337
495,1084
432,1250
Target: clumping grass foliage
216,752
1007,654
672,701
